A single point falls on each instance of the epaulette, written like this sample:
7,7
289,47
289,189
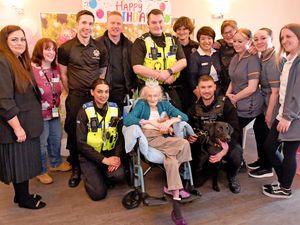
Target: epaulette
87,105
112,104
144,36
168,35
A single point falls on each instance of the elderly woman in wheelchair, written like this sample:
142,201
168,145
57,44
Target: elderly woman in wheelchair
156,117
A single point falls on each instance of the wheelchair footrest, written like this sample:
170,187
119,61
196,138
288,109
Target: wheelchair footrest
195,192
152,201
189,199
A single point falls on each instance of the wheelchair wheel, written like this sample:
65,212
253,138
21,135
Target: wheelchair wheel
132,199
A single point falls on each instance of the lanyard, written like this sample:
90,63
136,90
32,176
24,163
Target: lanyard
52,85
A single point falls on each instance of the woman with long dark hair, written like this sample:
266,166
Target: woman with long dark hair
21,121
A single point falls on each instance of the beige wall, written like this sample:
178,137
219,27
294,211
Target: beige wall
252,14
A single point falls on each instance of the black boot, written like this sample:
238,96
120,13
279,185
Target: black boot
234,185
75,177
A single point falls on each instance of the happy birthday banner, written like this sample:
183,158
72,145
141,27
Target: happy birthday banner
132,11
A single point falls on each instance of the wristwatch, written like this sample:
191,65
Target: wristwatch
170,71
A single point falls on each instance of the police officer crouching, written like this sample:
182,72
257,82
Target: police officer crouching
100,142
210,108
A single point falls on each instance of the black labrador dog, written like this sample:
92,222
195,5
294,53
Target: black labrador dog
208,137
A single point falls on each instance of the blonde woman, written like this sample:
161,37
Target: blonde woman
243,92
285,130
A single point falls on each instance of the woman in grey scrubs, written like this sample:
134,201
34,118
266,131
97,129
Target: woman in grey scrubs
243,92
269,84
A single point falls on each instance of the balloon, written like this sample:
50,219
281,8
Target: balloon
93,4
167,18
100,13
162,6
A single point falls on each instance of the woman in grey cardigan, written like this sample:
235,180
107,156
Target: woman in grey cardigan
285,130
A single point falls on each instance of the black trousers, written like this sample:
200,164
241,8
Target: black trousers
234,159
95,177
261,131
74,102
282,156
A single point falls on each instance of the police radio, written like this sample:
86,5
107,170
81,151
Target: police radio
94,124
173,49
154,53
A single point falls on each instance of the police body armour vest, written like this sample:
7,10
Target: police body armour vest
212,115
158,58
104,136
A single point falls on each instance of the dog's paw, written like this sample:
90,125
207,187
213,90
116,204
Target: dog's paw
216,187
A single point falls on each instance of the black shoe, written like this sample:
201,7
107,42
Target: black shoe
31,203
35,196
254,165
278,193
75,177
261,173
234,185
274,185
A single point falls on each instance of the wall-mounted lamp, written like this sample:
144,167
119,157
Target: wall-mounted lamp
219,8
217,16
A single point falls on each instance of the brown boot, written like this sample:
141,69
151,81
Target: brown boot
63,167
45,178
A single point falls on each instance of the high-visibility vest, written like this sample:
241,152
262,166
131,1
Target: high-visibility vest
106,136
163,58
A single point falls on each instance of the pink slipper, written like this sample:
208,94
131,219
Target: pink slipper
182,193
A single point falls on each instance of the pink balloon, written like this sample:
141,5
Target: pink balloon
100,13
162,6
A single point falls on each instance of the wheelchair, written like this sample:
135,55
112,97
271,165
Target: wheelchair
138,150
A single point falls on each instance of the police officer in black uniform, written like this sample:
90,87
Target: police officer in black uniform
210,108
82,60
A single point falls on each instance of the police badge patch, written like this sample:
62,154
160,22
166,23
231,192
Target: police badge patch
96,54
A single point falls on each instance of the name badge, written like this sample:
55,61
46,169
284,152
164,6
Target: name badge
55,79
204,64
55,112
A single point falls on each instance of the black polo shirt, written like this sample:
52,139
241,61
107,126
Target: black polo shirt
83,62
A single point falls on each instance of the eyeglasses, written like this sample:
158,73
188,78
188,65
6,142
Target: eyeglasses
231,32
